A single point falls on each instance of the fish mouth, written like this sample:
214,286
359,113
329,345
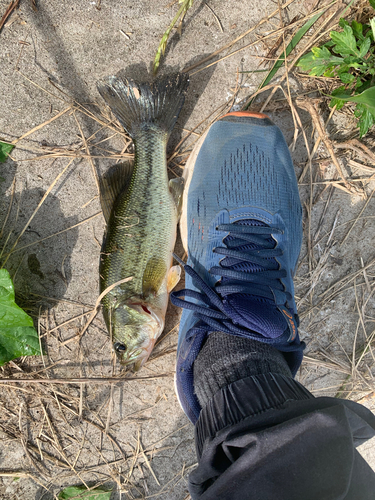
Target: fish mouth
135,359
143,357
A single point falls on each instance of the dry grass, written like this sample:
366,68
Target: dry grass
64,416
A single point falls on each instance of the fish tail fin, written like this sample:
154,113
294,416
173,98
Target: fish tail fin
139,105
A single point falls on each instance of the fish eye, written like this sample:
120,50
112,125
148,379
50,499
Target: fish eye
119,347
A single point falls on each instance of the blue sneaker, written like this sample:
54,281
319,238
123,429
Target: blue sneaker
241,227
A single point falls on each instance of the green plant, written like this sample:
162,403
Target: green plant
281,60
185,6
18,336
5,149
78,492
349,57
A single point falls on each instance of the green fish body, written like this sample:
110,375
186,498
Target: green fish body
141,208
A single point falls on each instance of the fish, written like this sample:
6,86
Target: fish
141,207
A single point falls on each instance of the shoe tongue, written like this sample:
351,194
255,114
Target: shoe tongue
261,317
245,266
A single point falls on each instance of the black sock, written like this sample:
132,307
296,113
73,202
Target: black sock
225,358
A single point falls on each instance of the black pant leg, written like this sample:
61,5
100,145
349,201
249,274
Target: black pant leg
265,437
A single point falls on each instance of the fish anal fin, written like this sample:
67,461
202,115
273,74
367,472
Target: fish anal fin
174,275
153,276
115,180
176,187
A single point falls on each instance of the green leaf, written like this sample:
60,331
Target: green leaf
372,24
366,119
343,23
364,46
352,62
339,103
368,32
5,149
318,61
366,98
18,336
363,86
328,44
358,86
293,43
330,73
357,29
346,77
365,110
372,3
345,42
78,492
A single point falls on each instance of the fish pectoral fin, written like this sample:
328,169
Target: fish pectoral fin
176,187
115,180
174,275
153,276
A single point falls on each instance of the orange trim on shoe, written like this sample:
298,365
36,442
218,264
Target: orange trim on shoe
253,114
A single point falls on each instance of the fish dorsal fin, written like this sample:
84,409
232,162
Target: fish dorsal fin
176,187
153,276
115,180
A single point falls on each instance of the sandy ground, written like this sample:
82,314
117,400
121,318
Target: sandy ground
51,57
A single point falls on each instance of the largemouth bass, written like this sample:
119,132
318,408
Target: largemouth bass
141,209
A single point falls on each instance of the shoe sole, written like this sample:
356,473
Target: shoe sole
189,169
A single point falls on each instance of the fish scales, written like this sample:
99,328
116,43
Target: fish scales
141,221
142,225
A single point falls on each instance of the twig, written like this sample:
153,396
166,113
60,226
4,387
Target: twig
316,145
38,127
39,87
37,208
88,152
13,5
311,105
148,462
357,218
365,277
233,42
358,147
97,303
59,447
216,18
360,166
9,208
15,473
83,380
311,42
17,249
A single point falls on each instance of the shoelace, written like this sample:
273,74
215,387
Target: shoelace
261,259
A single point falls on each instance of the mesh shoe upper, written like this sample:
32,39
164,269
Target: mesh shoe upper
244,232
